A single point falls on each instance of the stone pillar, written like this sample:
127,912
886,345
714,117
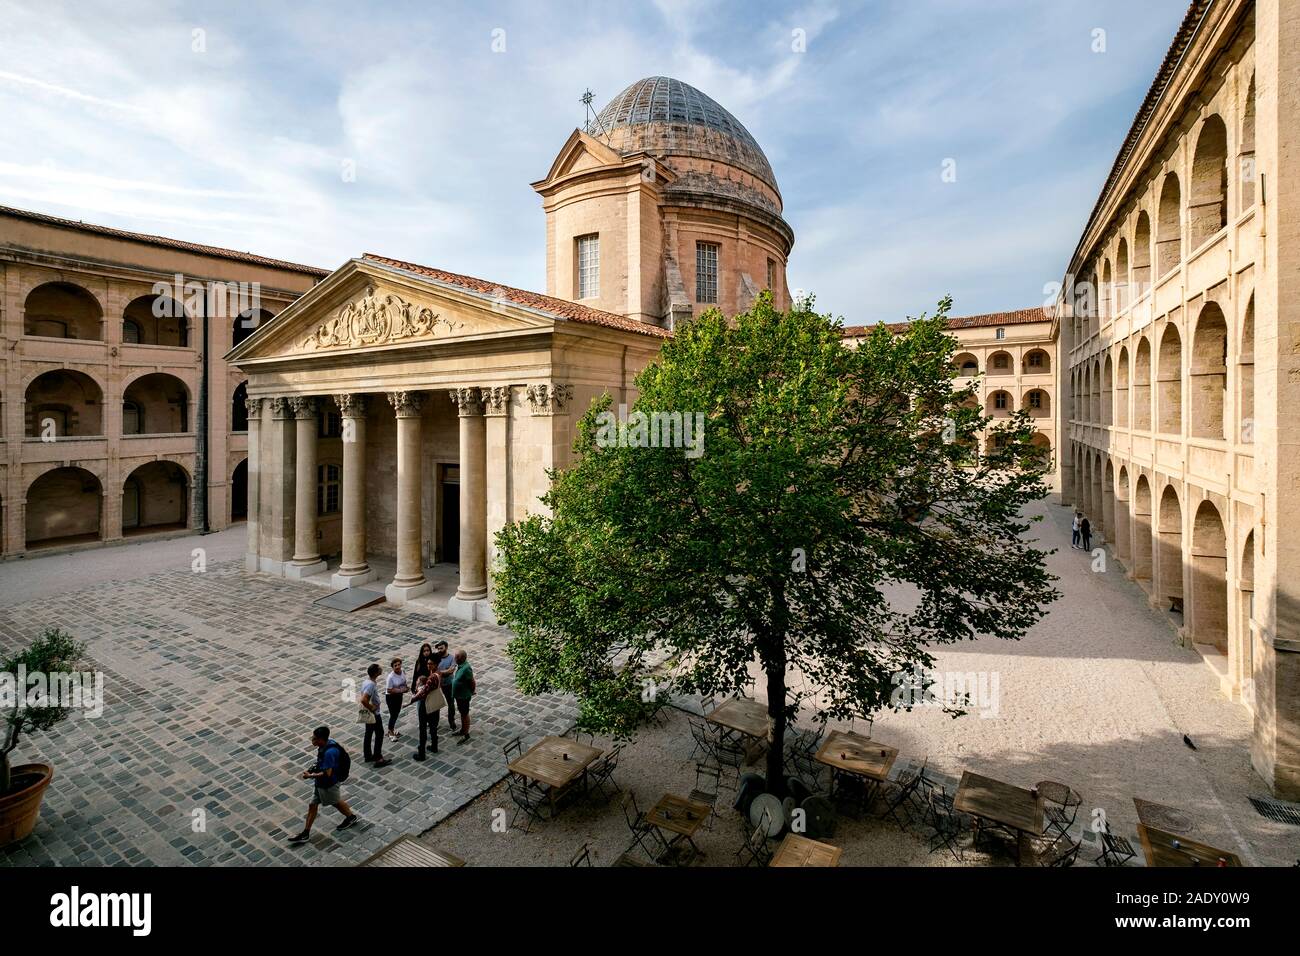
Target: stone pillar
306,553
281,481
500,480
410,581
253,547
470,601
353,570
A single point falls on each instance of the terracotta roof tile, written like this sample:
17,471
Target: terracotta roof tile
987,320
177,244
560,308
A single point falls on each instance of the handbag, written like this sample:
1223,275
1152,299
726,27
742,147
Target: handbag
435,700
365,715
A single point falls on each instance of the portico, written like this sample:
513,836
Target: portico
405,414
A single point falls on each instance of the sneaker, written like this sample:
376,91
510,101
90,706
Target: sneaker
347,822
300,839
382,762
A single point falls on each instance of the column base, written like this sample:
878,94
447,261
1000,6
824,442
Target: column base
300,571
252,562
401,593
352,579
272,566
471,610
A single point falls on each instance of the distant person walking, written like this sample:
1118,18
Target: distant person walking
463,687
1074,531
329,773
375,726
1085,531
446,669
395,689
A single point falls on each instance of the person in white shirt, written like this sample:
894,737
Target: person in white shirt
375,728
394,692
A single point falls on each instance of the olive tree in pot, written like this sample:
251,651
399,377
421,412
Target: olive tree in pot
23,786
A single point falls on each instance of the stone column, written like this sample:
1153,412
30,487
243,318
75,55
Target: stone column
281,481
353,570
500,481
253,547
470,600
306,553
410,581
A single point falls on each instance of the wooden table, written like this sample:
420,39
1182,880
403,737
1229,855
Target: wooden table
796,850
555,762
745,717
1002,804
1169,819
408,851
848,753
1158,847
681,817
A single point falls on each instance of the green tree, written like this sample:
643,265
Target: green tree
54,652
840,522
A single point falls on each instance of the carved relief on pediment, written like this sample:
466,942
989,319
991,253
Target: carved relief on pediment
377,319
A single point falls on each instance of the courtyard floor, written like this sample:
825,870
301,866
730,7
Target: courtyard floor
214,680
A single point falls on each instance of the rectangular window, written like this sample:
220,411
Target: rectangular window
329,425
771,274
588,266
706,272
1035,400
327,489
1036,360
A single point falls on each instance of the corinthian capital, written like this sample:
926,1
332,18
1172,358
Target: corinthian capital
304,407
547,398
254,408
469,401
351,405
406,404
496,400
281,408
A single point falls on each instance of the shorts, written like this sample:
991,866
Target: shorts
329,796
462,705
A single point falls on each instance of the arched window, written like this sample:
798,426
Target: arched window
1246,161
1169,239
1209,196
131,332
1141,256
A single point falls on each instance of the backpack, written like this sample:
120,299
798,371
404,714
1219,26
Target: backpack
344,766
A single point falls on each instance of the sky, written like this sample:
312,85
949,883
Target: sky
922,147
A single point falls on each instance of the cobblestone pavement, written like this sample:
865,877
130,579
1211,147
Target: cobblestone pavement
213,682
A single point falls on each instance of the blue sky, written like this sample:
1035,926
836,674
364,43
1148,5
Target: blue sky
236,123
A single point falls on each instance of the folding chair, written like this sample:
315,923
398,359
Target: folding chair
1115,850
1037,851
704,741
708,705
1063,806
601,773
905,795
528,801
642,831
708,782
582,857
513,750
947,823
755,850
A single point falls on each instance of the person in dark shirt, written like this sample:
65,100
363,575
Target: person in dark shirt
1085,530
328,789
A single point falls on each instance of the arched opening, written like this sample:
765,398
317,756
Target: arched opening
246,323
239,408
967,365
1038,403
1169,239
1208,207
1169,373
239,492
1209,373
61,310
1106,294
1085,396
1108,499
1001,363
63,404
1121,389
1246,161
155,404
1108,392
1123,528
999,405
1246,604
1142,532
1096,498
1040,447
1142,256
155,320
1246,376
1121,276
63,507
155,497
1169,561
1209,577
1096,392
1142,386
1037,362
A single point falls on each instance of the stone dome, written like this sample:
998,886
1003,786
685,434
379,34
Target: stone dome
666,117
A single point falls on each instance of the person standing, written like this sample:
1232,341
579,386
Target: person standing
446,670
429,701
463,687
374,728
329,773
1074,531
395,689
1085,531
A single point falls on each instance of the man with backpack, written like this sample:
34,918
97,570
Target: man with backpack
332,768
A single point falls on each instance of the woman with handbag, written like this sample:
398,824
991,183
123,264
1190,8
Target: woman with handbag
429,701
369,715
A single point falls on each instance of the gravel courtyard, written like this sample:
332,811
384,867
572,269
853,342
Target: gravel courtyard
215,679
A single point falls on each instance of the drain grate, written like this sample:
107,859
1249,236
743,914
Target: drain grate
1277,810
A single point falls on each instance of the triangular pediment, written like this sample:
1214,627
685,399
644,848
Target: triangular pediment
363,306
581,152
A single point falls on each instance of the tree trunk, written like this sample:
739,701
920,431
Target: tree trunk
776,741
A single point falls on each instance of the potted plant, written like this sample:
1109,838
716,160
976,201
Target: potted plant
23,786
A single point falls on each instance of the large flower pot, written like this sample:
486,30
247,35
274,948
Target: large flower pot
20,808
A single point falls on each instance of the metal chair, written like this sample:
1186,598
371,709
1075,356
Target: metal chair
755,851
601,773
578,735
1038,851
947,823
582,857
708,781
708,705
643,832
1064,806
905,796
1115,850
513,750
704,741
528,801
